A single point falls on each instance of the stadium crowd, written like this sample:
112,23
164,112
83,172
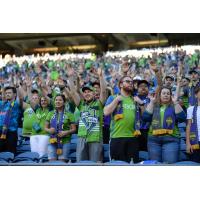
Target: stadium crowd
133,103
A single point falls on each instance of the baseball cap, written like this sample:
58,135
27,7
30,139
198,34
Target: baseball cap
168,76
143,81
87,87
193,71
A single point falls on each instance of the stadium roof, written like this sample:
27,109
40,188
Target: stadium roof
26,43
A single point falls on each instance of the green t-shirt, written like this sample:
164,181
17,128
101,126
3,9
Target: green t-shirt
41,119
125,126
68,120
32,118
162,112
91,120
29,118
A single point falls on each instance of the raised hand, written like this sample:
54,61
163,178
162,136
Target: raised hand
154,67
152,98
137,100
100,72
118,98
70,71
28,82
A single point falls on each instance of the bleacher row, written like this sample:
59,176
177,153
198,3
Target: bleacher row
24,155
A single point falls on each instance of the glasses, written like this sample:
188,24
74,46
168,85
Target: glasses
128,81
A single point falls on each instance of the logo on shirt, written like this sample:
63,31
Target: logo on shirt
90,119
169,121
129,106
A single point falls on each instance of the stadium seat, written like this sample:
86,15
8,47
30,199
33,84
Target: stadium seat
87,163
27,156
56,163
143,155
26,162
43,159
186,163
149,162
26,142
72,157
6,156
116,162
3,162
183,156
23,148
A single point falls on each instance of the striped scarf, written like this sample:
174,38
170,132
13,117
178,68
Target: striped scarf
192,99
118,114
57,123
7,121
194,130
168,121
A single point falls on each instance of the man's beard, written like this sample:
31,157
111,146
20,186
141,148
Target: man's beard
128,90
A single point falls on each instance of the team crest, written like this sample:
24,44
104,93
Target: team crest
169,121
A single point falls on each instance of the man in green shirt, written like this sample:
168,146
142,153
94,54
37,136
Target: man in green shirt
89,146
124,144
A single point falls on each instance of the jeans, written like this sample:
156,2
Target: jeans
52,148
163,148
39,144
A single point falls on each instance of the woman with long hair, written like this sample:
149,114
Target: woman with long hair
164,112
39,138
60,125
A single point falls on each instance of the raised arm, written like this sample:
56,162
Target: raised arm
159,81
20,92
150,106
109,109
103,93
73,91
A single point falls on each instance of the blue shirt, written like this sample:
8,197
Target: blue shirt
14,117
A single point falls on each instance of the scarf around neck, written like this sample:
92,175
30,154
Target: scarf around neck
194,135
57,123
118,114
168,121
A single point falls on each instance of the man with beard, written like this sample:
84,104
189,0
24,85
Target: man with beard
89,145
125,124
9,118
168,81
